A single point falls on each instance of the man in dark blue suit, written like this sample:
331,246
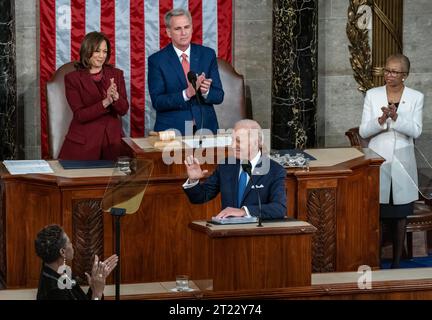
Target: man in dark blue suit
268,178
174,98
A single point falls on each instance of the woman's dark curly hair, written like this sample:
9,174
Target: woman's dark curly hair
48,243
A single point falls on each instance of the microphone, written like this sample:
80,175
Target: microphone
192,78
247,167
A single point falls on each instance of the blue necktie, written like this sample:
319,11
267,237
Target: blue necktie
241,187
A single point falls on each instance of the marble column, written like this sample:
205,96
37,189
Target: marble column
294,75
8,97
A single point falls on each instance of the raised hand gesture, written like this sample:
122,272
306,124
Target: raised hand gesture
194,169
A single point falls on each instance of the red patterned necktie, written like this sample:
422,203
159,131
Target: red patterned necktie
185,64
186,67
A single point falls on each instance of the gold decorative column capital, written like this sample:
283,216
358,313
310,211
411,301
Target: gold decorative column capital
367,60
359,48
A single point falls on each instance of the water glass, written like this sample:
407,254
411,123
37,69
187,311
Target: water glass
182,282
123,164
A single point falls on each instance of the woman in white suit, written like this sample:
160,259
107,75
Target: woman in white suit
392,119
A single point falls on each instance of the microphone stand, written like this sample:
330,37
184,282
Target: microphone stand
248,168
117,213
259,204
198,95
192,77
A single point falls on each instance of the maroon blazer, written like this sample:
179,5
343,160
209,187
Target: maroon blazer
95,132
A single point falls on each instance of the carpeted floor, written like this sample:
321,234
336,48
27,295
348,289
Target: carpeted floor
420,262
422,256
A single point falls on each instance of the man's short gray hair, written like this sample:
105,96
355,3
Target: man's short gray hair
251,125
176,13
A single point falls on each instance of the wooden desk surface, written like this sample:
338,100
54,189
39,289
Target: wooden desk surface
251,229
341,201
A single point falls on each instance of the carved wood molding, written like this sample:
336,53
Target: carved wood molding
88,231
321,213
359,48
2,234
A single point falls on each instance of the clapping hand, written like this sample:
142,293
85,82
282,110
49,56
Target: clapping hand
191,91
384,116
204,83
392,112
112,90
100,271
111,94
194,169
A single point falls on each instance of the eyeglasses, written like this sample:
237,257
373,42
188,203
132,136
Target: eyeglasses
393,72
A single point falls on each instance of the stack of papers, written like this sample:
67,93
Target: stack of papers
208,141
235,220
27,166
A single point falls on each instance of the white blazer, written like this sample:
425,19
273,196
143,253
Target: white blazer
394,142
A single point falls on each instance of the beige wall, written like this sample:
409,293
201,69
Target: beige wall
339,102
252,53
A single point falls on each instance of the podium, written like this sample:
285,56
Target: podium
341,200
244,256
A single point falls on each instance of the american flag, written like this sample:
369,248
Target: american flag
136,29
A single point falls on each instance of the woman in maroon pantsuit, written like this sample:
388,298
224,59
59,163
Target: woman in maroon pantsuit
96,93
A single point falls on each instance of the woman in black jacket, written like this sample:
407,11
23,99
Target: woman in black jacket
56,283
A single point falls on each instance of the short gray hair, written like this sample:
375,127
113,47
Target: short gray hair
176,13
402,59
251,125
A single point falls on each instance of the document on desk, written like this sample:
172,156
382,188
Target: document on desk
207,141
27,166
234,220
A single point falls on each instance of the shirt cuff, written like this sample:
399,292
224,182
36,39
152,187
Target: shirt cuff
246,210
205,95
185,97
188,184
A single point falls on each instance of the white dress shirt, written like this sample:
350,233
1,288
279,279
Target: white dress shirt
179,55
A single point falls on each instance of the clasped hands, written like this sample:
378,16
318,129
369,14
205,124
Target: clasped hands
112,94
100,271
195,173
388,112
203,84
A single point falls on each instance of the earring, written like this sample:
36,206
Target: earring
403,79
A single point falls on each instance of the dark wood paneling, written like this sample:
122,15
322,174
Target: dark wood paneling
28,209
87,235
160,231
156,241
2,234
385,290
252,262
321,212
